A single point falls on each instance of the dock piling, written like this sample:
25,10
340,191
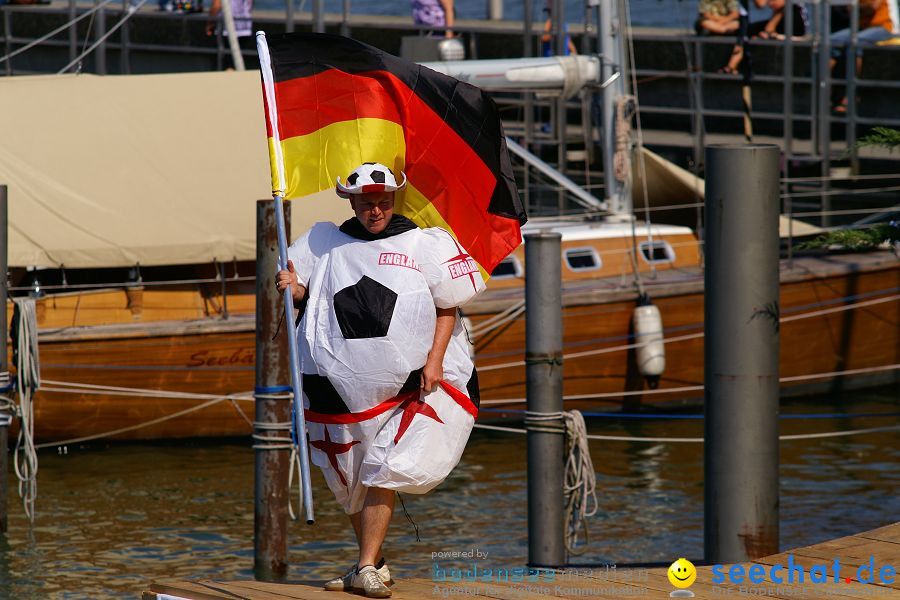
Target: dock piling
741,325
543,418
273,405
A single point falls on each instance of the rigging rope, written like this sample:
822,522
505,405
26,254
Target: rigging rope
28,379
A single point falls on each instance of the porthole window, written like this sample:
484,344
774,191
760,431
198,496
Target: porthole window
508,268
657,252
582,259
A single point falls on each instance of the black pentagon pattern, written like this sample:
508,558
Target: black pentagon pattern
352,179
473,390
377,176
323,398
364,309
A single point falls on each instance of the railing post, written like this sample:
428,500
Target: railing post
318,16
289,16
345,18
787,74
100,52
741,328
124,45
824,108
4,358
73,31
7,34
851,87
272,406
495,10
546,431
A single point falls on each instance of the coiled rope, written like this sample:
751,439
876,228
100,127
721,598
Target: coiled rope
580,482
579,479
28,379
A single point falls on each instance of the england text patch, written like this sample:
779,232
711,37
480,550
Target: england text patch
397,259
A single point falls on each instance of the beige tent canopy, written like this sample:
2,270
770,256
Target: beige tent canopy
667,184
150,169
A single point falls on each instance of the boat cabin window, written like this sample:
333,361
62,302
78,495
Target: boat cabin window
508,268
657,252
582,259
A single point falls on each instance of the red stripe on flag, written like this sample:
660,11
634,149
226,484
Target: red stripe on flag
439,162
309,103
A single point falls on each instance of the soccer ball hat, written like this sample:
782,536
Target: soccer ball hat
369,177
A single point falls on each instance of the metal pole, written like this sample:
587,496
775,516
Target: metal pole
825,109
124,51
7,41
319,16
345,18
220,269
787,73
73,32
4,358
558,27
527,51
546,431
851,87
294,362
101,49
611,54
495,10
272,467
289,16
741,353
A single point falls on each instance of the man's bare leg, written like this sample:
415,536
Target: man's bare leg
356,521
374,520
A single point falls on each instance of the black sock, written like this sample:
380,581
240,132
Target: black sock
380,563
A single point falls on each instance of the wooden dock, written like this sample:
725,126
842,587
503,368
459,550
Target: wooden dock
881,546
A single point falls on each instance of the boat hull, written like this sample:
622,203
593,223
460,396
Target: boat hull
840,329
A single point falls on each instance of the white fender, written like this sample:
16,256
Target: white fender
648,333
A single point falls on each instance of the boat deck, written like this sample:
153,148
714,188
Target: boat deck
880,546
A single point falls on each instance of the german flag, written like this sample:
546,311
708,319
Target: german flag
339,103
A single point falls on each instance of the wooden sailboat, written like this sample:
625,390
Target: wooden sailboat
136,359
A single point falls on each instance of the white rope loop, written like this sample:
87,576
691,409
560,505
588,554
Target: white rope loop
580,487
28,379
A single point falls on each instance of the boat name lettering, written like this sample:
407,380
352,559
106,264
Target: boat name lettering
205,358
397,259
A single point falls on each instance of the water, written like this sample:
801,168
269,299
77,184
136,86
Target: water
679,14
111,519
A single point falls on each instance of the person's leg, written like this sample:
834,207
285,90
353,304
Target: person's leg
374,520
356,521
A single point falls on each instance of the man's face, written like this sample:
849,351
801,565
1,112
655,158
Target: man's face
374,210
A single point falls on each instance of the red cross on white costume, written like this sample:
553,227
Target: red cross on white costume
332,449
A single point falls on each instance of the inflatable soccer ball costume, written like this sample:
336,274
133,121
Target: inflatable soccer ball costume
364,337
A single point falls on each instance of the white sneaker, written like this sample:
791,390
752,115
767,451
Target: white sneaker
344,582
367,581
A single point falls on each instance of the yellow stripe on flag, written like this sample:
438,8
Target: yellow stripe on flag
312,162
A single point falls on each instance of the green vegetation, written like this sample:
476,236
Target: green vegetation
872,237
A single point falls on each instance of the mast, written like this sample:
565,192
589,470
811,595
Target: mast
611,38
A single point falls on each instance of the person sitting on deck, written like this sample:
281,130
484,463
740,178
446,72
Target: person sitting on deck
718,17
876,24
390,389
770,29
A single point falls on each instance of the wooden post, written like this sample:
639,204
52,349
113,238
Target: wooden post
273,404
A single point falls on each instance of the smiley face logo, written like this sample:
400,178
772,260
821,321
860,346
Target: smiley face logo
682,573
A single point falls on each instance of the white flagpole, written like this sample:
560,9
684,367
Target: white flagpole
265,65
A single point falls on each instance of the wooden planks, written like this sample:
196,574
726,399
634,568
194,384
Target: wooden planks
881,545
